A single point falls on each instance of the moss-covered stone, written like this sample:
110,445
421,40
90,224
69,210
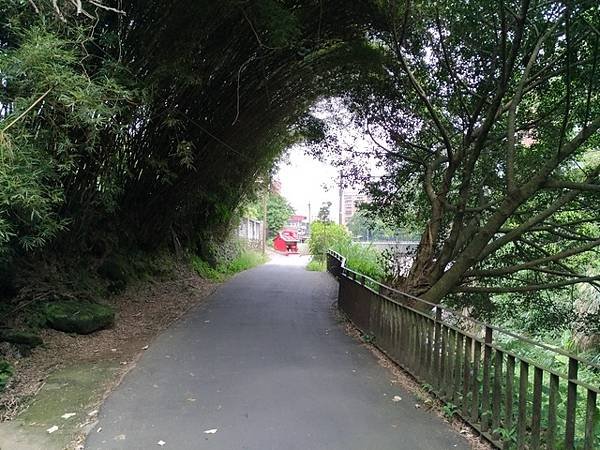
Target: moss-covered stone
22,337
79,317
77,388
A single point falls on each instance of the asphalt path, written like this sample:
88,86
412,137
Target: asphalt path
263,365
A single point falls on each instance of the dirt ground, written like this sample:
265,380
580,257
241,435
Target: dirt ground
142,311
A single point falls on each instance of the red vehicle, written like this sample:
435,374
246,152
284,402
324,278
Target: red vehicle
286,241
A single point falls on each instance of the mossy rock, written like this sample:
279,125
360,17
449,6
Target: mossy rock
21,337
79,317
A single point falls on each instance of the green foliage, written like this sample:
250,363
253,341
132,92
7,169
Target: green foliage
368,338
53,114
507,435
6,371
316,264
247,259
449,410
278,213
153,129
132,134
325,235
252,210
558,364
205,270
363,259
365,226
499,190
280,23
324,212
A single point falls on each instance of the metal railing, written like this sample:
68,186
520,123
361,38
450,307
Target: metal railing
512,399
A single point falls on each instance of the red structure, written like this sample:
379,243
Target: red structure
286,241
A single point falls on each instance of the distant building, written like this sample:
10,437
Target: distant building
350,203
252,231
300,224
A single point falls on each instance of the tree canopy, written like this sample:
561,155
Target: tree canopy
485,117
324,212
150,124
278,213
153,120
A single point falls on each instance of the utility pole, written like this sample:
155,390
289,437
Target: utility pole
309,217
264,228
341,196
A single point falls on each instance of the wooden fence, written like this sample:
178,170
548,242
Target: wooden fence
512,400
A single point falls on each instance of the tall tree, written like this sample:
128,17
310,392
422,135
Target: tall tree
278,213
324,212
485,116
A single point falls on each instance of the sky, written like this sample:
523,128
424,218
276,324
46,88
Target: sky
303,180
306,180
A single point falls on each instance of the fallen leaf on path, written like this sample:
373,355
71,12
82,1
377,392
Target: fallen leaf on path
212,431
397,398
99,430
191,399
417,405
52,429
161,443
120,437
67,415
145,347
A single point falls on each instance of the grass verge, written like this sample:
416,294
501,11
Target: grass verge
316,265
247,259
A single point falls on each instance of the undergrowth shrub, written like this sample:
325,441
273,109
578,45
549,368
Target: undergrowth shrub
316,265
364,259
246,259
325,235
6,372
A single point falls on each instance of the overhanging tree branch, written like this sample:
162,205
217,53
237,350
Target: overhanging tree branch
559,184
528,288
536,262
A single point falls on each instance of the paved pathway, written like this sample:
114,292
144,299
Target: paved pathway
264,363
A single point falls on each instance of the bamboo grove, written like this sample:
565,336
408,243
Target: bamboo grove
146,123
